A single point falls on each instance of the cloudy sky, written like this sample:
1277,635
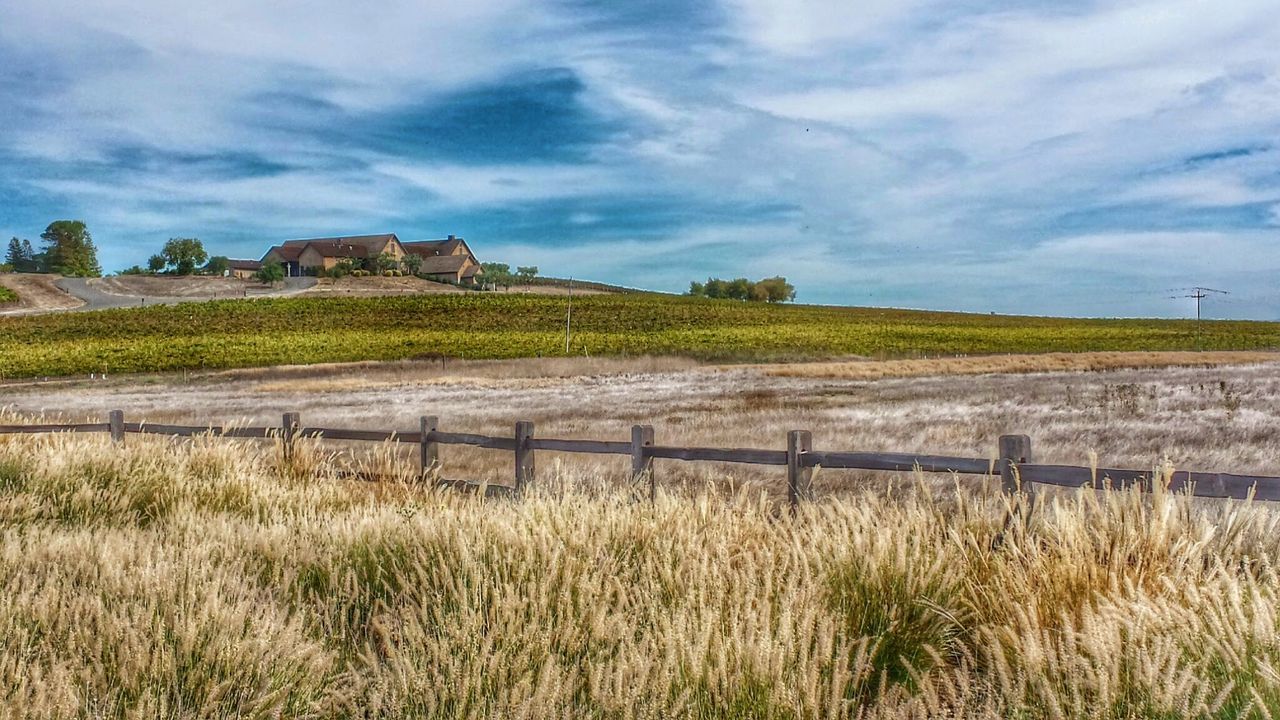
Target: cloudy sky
1031,157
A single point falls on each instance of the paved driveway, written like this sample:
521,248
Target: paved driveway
95,299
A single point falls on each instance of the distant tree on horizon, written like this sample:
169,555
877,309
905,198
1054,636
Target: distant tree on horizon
527,273
21,257
771,290
69,249
218,265
496,274
184,255
156,263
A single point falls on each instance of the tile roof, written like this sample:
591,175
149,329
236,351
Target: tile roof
365,240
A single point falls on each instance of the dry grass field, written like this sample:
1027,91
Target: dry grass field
212,579
1201,418
215,579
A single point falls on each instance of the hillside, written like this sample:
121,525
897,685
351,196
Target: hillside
240,333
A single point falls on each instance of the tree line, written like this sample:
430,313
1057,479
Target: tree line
67,249
773,290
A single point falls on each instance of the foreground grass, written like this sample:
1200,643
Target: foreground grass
254,333
209,580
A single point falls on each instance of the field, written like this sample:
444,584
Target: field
228,334
215,580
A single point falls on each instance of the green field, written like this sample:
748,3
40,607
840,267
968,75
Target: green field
240,333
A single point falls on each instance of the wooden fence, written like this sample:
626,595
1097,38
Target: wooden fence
1013,464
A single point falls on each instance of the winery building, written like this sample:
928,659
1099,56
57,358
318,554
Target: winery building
447,260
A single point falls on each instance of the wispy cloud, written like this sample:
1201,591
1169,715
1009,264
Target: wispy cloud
902,153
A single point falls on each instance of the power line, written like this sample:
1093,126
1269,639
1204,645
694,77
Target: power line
1199,293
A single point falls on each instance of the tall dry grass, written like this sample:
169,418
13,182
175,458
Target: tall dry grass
209,579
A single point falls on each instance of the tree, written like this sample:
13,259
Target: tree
527,273
497,274
774,290
184,254
270,273
156,263
738,289
218,265
20,257
385,262
716,288
412,263
69,249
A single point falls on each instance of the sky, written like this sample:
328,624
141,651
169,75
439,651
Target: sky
1022,157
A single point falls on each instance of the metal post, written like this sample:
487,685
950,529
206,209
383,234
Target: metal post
799,476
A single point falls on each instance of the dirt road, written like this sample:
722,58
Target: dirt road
36,294
96,293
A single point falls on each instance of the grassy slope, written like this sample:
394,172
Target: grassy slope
240,333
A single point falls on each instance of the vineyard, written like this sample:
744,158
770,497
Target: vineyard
239,333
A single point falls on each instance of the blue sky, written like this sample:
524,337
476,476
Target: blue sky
1031,157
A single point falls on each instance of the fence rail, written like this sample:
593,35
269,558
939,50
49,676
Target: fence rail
1013,462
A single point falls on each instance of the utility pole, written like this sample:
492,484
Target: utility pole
568,318
1199,293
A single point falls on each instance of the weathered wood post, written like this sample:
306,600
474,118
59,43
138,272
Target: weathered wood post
642,462
428,449
115,421
524,454
799,476
1015,450
289,427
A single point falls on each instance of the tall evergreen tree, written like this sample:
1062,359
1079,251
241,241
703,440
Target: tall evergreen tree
34,261
20,256
69,249
14,257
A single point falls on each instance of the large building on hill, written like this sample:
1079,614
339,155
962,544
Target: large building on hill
447,260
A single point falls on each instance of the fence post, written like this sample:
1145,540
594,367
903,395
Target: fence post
115,420
524,454
289,430
641,462
1014,450
799,476
428,449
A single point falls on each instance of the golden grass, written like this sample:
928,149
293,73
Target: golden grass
983,364
210,580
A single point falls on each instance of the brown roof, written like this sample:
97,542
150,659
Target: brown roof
288,254
440,264
244,264
430,248
333,248
365,240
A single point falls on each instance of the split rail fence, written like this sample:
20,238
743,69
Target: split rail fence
1013,465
